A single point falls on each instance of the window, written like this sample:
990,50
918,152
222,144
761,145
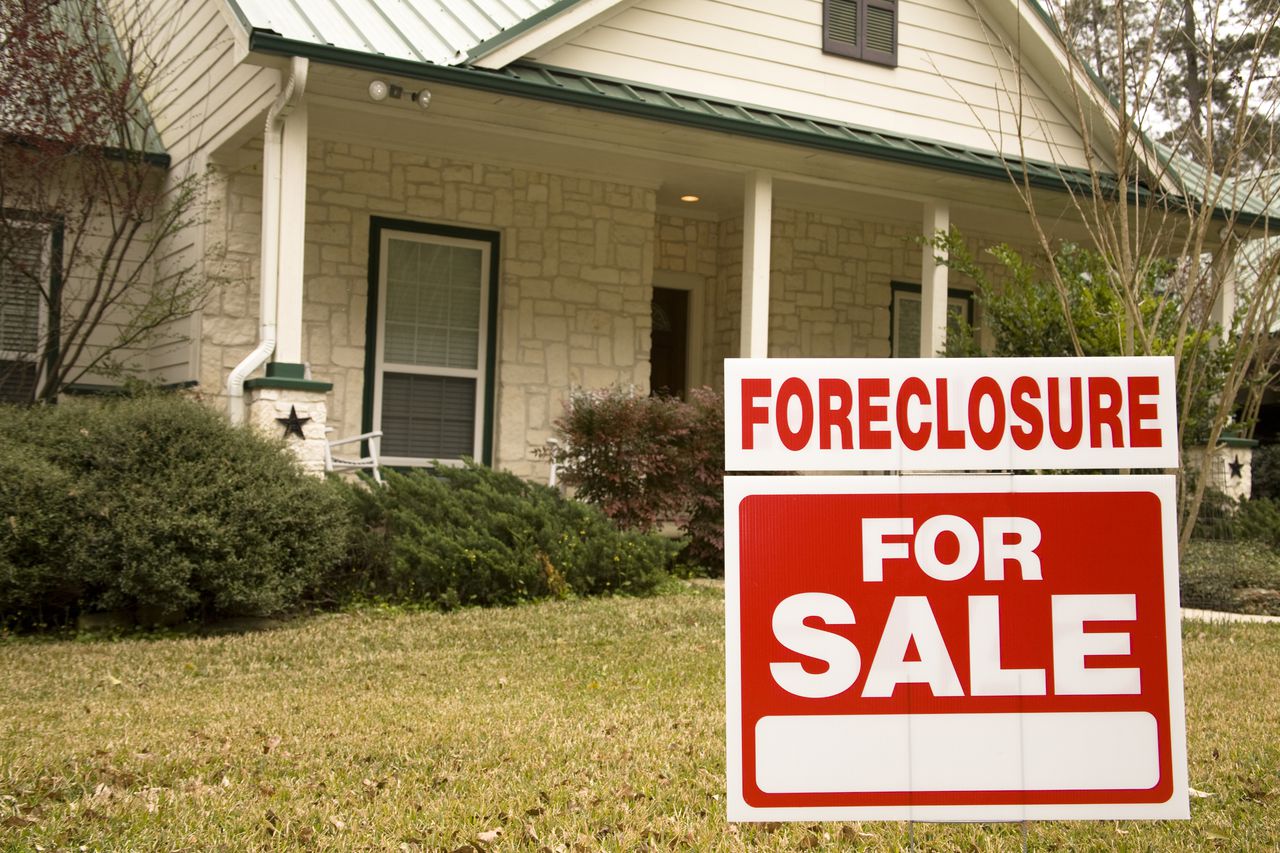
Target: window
26,274
862,29
433,294
905,312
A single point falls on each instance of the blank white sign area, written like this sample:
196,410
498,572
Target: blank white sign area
957,752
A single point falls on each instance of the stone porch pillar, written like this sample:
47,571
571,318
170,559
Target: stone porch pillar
293,409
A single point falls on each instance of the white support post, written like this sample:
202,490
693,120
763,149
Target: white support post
1224,307
933,282
757,232
293,218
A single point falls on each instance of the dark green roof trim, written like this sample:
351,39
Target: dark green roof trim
286,370
546,83
289,384
159,159
98,389
637,99
493,43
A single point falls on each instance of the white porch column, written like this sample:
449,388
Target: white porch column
757,231
1224,307
933,282
293,218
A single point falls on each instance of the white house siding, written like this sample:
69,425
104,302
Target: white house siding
196,94
196,90
953,82
576,273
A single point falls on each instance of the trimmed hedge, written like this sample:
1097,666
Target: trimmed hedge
157,506
451,537
1238,577
448,537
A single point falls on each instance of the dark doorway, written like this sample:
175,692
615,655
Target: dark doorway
669,346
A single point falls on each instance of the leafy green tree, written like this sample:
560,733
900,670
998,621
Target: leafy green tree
1025,313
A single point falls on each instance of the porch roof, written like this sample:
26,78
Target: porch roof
542,82
396,39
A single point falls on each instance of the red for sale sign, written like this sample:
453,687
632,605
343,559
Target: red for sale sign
932,648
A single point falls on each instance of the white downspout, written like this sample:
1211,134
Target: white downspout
269,274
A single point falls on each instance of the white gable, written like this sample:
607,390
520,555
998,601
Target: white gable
955,82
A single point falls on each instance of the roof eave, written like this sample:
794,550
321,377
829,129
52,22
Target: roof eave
1043,177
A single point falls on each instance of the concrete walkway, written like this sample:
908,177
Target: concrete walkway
1217,616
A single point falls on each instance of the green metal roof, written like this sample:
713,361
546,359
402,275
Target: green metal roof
442,32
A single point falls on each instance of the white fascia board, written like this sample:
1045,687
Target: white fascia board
236,27
571,21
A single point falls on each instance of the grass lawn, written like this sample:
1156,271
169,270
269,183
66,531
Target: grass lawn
566,726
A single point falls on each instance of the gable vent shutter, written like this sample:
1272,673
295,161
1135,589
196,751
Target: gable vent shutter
840,27
881,41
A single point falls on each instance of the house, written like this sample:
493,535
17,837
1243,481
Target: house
435,219
82,182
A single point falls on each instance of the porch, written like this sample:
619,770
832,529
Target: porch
463,267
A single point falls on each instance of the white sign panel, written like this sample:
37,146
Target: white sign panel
944,414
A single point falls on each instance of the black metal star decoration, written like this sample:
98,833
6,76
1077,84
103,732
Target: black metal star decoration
293,424
1237,468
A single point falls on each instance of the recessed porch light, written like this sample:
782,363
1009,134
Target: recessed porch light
690,198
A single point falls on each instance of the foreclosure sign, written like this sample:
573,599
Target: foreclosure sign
976,647
966,648
940,414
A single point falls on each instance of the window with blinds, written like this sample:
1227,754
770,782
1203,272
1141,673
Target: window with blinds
24,271
906,317
430,380
861,29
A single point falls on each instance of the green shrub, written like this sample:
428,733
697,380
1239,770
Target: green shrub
1239,577
1257,520
645,460
36,563
455,536
157,505
1265,472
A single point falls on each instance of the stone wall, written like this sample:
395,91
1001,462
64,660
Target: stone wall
577,266
690,247
576,277
829,291
830,288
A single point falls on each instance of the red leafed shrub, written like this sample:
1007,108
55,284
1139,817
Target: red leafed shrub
647,460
